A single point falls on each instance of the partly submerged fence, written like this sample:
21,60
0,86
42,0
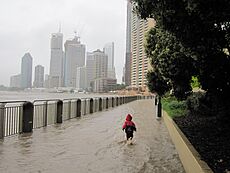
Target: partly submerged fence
23,116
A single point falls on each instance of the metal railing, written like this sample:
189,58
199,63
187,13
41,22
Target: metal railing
22,116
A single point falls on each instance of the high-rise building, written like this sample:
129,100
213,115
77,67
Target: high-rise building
97,70
56,61
26,71
109,51
101,64
90,68
39,76
15,81
128,54
81,78
139,61
74,58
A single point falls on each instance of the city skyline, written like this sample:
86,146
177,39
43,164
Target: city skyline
26,29
74,55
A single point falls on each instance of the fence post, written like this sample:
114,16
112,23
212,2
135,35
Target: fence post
45,113
112,101
2,120
91,106
69,109
59,111
100,104
27,119
107,103
78,108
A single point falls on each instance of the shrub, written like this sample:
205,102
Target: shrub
201,103
174,107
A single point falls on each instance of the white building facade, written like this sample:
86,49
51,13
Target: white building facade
39,77
81,78
26,71
91,69
109,51
74,58
56,75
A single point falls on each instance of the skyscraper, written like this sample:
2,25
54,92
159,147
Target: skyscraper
90,68
109,51
101,64
26,71
56,61
74,58
139,61
101,71
97,71
39,77
128,54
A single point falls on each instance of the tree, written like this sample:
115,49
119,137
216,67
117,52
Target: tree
171,62
192,38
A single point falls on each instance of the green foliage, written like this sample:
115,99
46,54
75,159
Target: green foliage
173,107
189,41
194,82
171,63
157,83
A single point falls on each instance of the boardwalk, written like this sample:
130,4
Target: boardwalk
94,143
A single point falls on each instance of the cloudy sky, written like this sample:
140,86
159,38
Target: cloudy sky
26,26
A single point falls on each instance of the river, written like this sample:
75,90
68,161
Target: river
30,96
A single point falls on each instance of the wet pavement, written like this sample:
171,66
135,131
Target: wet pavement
94,143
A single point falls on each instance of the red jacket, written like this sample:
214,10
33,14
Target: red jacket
129,122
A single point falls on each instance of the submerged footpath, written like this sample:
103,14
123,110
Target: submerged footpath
95,143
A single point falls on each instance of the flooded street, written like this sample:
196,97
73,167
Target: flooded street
94,143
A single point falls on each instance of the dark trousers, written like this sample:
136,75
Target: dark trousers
129,135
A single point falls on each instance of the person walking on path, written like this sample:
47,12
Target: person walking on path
129,127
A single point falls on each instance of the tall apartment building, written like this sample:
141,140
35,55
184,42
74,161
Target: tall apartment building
97,72
39,77
128,54
26,71
109,51
139,61
74,58
56,76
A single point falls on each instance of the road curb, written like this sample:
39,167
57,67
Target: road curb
189,157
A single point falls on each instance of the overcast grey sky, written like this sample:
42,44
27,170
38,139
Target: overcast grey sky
26,26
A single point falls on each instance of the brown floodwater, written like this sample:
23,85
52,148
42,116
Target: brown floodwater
94,143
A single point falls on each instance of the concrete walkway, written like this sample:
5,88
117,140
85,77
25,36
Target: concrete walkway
94,143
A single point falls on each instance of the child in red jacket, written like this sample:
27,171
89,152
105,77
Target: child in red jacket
129,127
